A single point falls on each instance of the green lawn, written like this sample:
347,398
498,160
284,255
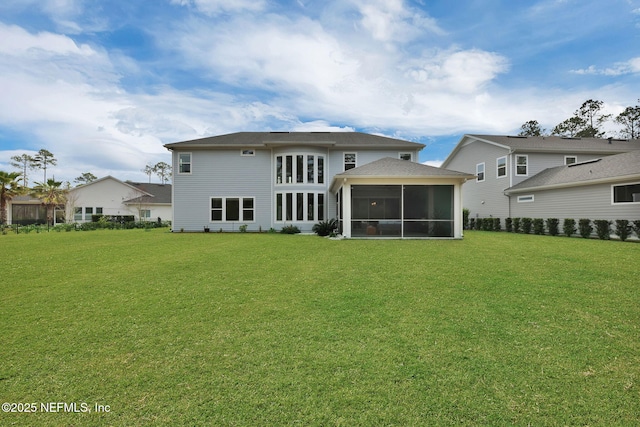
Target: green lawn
270,329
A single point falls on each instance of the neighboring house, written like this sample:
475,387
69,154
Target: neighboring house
25,210
110,196
501,163
604,188
265,180
154,203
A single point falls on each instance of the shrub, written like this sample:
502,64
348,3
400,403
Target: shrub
623,229
603,229
552,226
569,227
325,228
585,228
508,224
538,226
636,227
472,223
496,224
479,223
526,225
487,224
516,225
465,218
243,228
290,229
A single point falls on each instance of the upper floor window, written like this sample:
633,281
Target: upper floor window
184,163
522,165
480,172
405,156
628,193
501,167
569,160
299,169
349,161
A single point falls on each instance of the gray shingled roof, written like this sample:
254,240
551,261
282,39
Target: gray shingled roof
557,143
266,139
623,166
161,193
390,167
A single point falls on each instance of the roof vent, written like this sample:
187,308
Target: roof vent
571,137
517,136
279,132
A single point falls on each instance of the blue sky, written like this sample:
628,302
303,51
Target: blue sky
104,84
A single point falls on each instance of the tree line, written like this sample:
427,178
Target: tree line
587,122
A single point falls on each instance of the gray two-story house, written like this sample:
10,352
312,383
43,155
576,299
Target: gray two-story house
266,180
514,176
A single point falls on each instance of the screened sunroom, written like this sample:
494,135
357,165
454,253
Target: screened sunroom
393,198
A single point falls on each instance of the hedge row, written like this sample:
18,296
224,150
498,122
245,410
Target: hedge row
584,227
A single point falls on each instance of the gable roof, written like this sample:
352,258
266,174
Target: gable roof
614,168
105,178
275,139
151,193
158,193
549,144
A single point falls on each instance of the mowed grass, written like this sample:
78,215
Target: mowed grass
261,330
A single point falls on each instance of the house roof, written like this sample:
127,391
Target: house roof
271,139
618,167
152,193
390,167
160,193
550,144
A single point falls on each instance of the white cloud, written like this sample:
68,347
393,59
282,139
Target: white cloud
392,21
214,7
631,66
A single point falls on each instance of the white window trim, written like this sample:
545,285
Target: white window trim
570,157
344,163
190,164
614,203
484,172
247,152
305,168
404,154
529,198
498,167
305,208
224,209
526,165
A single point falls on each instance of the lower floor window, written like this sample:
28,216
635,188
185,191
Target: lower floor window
626,193
300,207
229,209
88,213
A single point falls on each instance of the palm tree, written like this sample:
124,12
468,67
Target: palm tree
51,194
9,188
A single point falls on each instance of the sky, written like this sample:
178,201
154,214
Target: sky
104,84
